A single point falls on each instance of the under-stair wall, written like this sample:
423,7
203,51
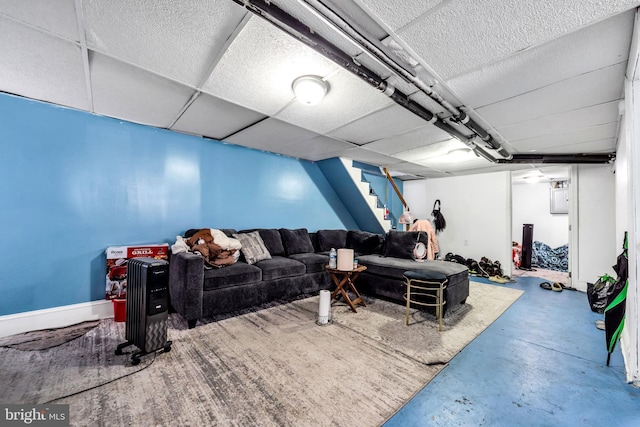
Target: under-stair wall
356,194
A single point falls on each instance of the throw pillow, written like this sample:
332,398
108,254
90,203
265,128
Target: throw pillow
253,247
328,239
296,241
364,242
400,244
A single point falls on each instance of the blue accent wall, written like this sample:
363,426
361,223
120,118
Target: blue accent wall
386,194
73,184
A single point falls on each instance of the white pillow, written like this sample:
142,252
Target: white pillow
225,242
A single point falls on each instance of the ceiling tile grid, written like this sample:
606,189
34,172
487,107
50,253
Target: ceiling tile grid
545,76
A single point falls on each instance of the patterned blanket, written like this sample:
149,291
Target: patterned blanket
550,259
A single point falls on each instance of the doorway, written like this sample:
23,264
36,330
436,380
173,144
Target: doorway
540,197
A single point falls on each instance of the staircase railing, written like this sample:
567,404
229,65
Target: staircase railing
397,190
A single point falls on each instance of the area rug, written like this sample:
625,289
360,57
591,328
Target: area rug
273,367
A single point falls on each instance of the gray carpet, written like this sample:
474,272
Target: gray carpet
47,338
273,367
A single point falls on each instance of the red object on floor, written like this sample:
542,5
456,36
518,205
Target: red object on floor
119,310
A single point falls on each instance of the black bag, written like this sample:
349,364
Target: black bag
598,293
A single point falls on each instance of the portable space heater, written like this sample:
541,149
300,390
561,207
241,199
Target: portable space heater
147,307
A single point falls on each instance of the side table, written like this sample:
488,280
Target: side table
346,278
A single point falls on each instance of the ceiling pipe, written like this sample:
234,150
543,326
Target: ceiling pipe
294,27
560,158
362,41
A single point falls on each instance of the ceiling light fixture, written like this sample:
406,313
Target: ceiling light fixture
310,89
459,154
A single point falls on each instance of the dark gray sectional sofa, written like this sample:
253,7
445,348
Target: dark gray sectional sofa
297,267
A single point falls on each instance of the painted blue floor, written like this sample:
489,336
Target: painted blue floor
542,363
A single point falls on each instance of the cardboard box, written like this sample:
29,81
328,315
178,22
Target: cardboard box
117,257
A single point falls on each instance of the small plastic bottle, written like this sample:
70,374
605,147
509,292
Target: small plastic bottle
333,258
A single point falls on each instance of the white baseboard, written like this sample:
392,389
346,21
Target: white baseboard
56,317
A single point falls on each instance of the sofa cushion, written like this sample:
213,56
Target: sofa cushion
239,273
400,244
253,247
314,263
272,240
278,267
364,242
396,267
328,239
296,241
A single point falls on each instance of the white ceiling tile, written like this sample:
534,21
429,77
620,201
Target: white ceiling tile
413,139
557,123
569,138
462,36
378,125
270,135
430,151
175,39
597,46
57,17
126,92
41,66
366,156
314,149
260,66
417,170
215,118
398,13
444,163
348,99
593,88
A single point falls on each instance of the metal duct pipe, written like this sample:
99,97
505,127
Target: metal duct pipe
560,158
303,33
361,41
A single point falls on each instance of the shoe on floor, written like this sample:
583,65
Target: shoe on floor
545,285
498,279
555,286
600,324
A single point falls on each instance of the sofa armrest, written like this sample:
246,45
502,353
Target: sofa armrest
186,281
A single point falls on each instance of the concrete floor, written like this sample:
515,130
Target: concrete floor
542,363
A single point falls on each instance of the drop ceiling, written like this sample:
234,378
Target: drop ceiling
539,77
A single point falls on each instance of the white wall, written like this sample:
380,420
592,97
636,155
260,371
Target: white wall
531,205
597,248
628,193
477,209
